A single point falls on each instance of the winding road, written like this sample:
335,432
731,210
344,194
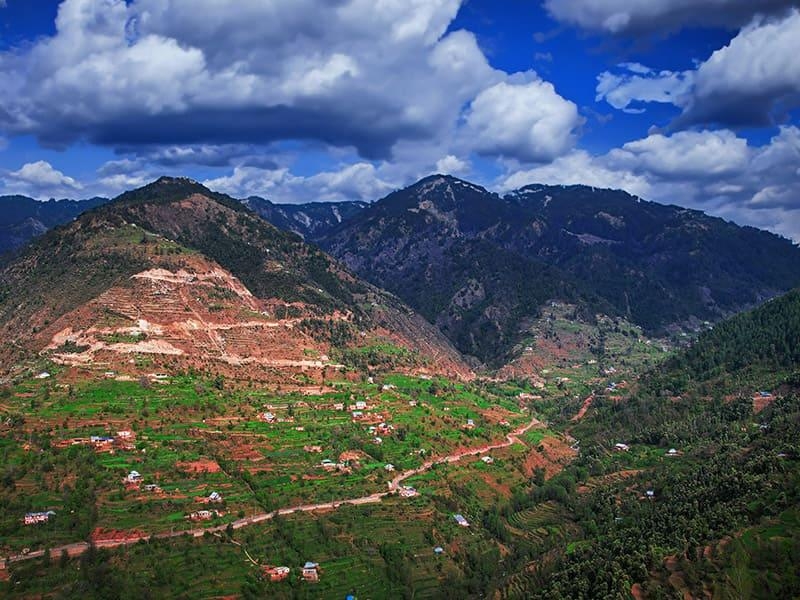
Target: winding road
78,548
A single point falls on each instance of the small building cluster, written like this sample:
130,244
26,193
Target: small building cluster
330,465
123,440
381,429
276,573
310,572
271,418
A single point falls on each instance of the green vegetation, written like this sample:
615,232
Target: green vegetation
382,356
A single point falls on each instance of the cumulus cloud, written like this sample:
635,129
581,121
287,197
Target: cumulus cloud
40,180
349,73
646,16
452,165
684,155
522,118
578,167
754,80
203,79
637,83
359,181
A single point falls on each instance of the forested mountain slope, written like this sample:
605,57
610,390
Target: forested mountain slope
480,265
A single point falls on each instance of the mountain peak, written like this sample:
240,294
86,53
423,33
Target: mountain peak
167,180
166,190
436,180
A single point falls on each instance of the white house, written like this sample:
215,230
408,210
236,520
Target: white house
34,518
461,520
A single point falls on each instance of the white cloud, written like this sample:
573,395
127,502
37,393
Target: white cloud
113,185
578,167
685,155
641,84
359,181
522,118
452,165
40,180
643,16
752,80
348,73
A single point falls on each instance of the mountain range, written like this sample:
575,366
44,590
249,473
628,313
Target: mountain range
477,265
23,218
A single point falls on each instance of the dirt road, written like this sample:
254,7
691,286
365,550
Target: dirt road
586,404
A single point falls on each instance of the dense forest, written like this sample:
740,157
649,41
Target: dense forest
767,338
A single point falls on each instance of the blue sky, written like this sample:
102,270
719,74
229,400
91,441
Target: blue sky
690,102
